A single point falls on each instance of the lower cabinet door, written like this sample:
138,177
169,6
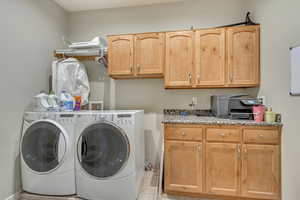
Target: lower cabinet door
183,166
260,176
223,169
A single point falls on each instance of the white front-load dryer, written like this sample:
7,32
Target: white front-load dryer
110,155
47,153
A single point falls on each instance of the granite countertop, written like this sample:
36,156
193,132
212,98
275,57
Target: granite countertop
193,119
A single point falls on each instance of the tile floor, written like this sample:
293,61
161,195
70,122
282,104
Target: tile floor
149,191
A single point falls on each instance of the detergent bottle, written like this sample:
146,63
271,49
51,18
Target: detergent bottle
67,101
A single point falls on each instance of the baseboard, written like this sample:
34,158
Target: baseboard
15,196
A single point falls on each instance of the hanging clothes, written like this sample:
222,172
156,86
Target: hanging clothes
70,75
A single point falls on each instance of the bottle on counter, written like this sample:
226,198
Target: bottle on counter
77,103
270,116
258,113
67,101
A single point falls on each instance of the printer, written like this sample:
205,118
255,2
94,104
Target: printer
233,106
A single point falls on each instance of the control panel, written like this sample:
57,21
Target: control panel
65,118
103,117
123,119
95,117
62,118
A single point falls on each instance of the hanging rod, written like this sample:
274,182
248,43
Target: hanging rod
82,52
98,55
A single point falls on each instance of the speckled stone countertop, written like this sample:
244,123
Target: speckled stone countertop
193,119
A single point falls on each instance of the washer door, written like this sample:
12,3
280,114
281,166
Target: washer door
103,150
43,146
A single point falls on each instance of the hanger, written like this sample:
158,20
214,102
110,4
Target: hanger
247,22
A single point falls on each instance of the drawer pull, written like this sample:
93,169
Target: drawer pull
222,134
260,135
183,134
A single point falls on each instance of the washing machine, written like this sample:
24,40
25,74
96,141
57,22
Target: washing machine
110,155
47,153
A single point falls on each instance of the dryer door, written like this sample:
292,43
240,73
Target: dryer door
103,150
43,146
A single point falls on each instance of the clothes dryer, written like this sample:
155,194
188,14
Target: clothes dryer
110,155
47,153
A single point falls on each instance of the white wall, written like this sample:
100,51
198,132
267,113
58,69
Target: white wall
150,95
280,30
30,30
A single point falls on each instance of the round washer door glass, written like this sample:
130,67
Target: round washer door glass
103,150
43,146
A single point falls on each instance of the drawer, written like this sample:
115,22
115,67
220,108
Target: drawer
260,136
223,135
183,133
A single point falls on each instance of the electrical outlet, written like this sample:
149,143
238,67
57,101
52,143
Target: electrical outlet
262,100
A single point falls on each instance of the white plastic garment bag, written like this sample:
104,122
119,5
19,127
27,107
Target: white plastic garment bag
70,75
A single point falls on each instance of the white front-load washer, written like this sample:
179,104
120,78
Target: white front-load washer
47,153
110,155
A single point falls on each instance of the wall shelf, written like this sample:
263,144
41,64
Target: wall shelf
83,55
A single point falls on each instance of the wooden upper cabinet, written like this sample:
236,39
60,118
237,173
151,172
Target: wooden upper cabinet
243,47
150,54
210,57
179,59
222,169
120,55
183,166
260,176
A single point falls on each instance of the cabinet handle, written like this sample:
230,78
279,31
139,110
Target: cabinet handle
231,78
190,77
183,134
239,151
245,153
198,78
131,69
138,67
260,135
222,134
199,148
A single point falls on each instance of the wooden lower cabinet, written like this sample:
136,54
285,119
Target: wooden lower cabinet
222,168
260,176
223,162
183,166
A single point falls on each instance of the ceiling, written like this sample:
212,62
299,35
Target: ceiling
80,5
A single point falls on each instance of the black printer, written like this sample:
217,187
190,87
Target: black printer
234,106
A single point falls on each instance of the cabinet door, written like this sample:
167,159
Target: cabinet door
179,59
183,166
210,57
260,171
149,53
120,55
243,55
223,169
